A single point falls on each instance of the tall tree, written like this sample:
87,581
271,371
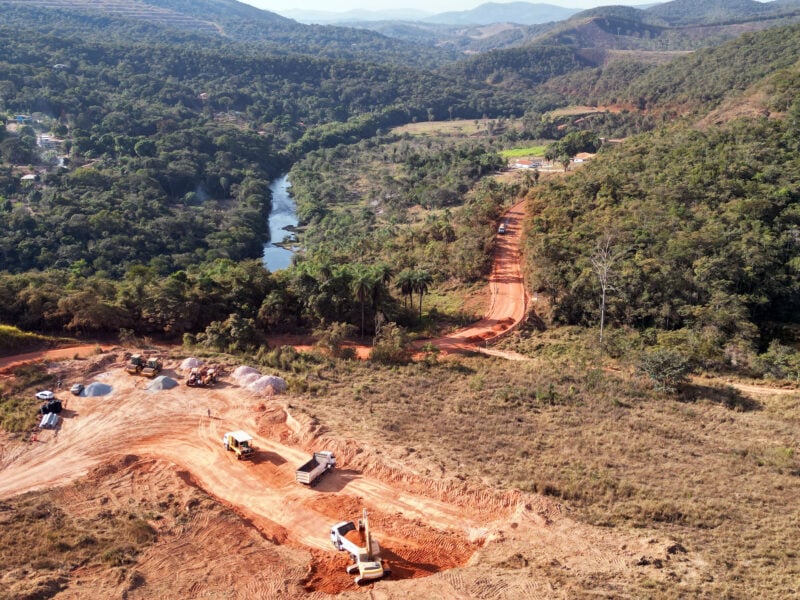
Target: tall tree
422,281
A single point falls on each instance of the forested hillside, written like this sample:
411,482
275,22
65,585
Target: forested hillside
218,23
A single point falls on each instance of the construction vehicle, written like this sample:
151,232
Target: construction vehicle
135,364
239,443
152,367
310,472
363,549
202,377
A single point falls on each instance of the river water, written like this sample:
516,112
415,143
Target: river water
283,215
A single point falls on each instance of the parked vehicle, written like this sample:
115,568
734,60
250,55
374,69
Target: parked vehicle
45,395
135,364
152,367
320,463
76,389
202,377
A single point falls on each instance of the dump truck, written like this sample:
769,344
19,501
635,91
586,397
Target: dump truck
310,472
365,552
202,377
135,364
152,367
239,443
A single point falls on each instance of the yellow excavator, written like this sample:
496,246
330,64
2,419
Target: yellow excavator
366,552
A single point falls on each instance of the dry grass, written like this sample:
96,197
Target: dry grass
717,475
446,128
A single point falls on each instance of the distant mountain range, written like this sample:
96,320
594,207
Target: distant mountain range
522,13
673,13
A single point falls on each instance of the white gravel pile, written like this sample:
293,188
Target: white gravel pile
240,372
190,363
269,384
248,378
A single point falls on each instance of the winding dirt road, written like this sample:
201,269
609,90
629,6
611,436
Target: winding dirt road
509,298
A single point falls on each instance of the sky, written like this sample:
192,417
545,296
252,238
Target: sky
423,5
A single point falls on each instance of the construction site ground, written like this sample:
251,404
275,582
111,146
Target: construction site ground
264,535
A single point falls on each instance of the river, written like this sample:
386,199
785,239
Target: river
283,215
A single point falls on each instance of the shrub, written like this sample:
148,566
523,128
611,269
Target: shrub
666,368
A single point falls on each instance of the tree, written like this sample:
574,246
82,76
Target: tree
603,260
405,283
422,281
364,282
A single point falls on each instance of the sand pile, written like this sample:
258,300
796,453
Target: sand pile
190,363
162,382
269,384
96,389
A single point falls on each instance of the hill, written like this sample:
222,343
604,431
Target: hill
523,13
222,22
706,12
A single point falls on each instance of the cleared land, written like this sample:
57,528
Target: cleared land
144,453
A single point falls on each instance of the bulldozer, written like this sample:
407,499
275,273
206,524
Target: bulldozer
135,364
364,550
152,367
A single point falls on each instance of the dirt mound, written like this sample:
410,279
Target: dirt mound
162,382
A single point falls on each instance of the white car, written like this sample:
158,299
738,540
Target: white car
45,395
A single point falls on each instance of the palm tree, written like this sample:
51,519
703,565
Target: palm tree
363,285
405,283
422,281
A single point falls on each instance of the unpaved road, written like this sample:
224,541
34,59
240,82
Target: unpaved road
508,295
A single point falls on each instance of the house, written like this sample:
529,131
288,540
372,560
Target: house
29,178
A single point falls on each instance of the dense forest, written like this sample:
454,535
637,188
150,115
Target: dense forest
134,181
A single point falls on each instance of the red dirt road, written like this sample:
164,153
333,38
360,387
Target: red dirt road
508,294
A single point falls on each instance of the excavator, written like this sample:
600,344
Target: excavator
365,552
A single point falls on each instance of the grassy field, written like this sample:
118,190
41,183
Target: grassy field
14,340
713,470
437,128
520,152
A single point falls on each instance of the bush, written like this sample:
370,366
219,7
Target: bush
666,368
391,347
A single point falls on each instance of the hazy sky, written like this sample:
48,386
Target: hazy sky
423,5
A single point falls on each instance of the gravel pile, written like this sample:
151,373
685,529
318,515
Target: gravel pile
190,363
96,389
240,372
269,384
162,382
